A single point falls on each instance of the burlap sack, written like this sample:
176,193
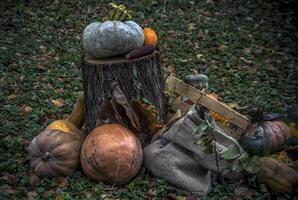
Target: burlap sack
176,158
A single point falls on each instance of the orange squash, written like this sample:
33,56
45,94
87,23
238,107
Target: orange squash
111,153
150,37
277,176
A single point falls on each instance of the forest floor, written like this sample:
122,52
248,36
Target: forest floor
247,48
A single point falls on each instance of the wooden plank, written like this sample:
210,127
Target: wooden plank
199,97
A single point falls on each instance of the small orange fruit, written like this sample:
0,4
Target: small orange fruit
150,36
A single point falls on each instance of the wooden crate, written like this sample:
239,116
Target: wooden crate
238,122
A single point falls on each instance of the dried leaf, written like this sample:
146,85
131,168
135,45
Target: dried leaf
148,117
217,117
12,96
7,189
233,105
31,195
222,47
245,60
59,90
58,102
120,100
33,180
26,109
170,70
9,178
61,181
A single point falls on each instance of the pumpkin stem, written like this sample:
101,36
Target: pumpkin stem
77,115
47,156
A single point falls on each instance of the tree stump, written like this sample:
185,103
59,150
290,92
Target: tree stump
140,78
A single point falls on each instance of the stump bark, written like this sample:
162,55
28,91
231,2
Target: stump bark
141,78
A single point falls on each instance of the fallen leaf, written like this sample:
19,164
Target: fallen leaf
180,198
58,102
7,189
61,181
12,96
151,192
183,60
31,195
26,109
170,70
191,27
59,90
9,178
245,60
59,197
199,56
233,105
247,50
33,180
41,67
222,47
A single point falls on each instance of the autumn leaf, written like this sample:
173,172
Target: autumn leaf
61,181
58,102
11,97
26,109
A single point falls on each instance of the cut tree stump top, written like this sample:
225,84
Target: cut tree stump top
115,59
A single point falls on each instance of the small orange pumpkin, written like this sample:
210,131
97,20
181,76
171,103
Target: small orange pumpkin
150,37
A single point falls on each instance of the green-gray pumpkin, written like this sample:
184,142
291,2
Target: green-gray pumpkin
264,138
112,38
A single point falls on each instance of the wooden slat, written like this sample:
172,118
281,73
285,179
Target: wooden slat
197,96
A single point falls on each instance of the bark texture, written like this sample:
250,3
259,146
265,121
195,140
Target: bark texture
140,78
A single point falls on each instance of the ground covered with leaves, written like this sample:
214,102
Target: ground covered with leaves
247,48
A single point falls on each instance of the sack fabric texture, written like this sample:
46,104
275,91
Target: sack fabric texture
175,157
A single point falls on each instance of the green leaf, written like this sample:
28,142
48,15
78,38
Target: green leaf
229,154
199,130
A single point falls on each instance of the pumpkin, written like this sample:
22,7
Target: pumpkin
150,37
199,81
277,176
111,153
112,38
56,150
264,138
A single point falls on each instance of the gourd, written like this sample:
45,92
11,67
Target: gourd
264,138
277,176
56,150
150,37
112,38
140,52
111,153
199,81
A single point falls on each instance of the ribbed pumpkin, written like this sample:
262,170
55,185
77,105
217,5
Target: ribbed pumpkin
111,153
150,37
277,176
264,138
56,150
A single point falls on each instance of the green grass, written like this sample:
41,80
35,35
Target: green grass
247,48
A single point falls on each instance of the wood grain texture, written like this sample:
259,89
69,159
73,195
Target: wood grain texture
197,96
140,78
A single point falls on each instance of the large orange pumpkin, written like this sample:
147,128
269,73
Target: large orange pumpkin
150,37
56,150
111,153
